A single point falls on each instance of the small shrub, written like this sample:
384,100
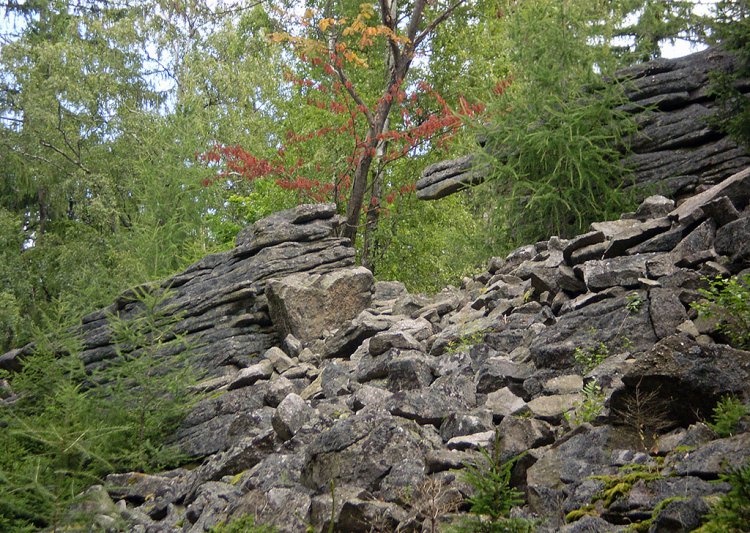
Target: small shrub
728,300
591,406
635,302
727,416
493,496
592,357
732,512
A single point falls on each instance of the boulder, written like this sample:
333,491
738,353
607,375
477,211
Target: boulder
308,305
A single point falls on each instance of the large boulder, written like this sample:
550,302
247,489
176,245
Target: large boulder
309,305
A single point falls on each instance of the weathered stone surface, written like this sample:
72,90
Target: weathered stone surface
710,460
666,311
518,435
733,240
291,414
248,376
619,271
499,372
635,234
607,321
687,377
503,403
307,305
553,407
736,187
459,425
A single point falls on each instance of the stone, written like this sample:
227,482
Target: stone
566,384
424,406
307,305
736,187
552,408
710,460
733,240
460,424
368,396
701,239
477,441
721,210
277,390
503,403
402,340
347,339
619,271
634,235
248,376
666,311
654,207
409,372
292,345
498,372
335,380
687,377
518,435
281,362
291,414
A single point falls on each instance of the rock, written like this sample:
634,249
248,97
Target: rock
619,271
402,340
712,459
348,338
424,406
634,235
654,207
307,305
503,403
701,239
292,345
476,441
498,372
248,376
566,384
518,435
281,362
361,450
459,425
721,210
666,311
303,223
409,372
582,241
291,414
733,240
369,396
681,515
582,452
551,408
686,377
335,380
736,187
277,390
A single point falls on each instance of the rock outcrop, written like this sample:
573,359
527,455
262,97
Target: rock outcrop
388,406
676,150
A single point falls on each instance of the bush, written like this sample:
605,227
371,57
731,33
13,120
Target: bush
243,524
493,496
588,359
727,416
728,300
732,512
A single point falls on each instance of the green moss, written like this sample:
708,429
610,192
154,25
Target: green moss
577,514
619,485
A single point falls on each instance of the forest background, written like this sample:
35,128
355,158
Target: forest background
136,137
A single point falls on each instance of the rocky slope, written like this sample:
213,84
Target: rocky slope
321,378
676,150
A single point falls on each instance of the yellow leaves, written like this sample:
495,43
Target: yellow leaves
326,23
280,37
352,57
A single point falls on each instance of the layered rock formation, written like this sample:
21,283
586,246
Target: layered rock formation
676,150
321,378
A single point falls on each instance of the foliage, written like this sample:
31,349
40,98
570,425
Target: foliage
646,413
731,28
732,512
493,496
635,302
243,524
728,300
727,415
68,429
590,407
555,135
589,358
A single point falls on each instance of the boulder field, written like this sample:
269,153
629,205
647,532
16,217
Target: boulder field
328,396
